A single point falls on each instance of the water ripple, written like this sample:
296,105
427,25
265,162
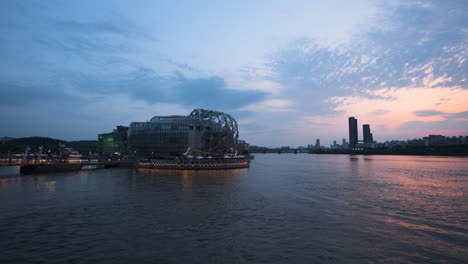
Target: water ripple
285,209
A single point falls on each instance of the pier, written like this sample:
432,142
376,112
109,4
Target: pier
32,166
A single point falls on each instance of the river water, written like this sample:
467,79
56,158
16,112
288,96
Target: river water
285,209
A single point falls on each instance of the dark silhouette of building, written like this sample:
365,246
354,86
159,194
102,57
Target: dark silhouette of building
434,140
353,132
345,144
368,138
317,143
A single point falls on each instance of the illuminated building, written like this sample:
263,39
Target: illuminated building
114,142
204,131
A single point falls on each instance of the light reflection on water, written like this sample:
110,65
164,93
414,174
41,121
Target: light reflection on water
284,209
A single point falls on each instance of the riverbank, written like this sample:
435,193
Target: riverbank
459,150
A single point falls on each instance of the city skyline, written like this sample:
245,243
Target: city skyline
428,140
367,140
289,72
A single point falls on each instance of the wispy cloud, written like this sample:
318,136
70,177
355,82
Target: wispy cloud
443,125
426,113
446,115
270,106
380,112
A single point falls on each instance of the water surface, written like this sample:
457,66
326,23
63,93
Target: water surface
285,209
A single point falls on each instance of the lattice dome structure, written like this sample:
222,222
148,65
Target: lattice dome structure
223,123
167,136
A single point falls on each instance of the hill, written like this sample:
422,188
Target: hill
18,145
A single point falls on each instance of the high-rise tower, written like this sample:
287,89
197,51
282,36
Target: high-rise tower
368,138
353,132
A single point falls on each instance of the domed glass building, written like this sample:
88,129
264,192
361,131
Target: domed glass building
169,136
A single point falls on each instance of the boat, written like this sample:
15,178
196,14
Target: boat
208,163
51,167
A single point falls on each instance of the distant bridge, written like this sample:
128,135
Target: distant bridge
280,151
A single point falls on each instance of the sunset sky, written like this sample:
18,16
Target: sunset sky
288,71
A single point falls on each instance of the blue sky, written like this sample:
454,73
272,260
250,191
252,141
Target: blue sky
288,71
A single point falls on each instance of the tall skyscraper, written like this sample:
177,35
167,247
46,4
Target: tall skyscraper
368,138
353,132
317,143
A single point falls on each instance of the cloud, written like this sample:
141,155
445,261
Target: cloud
406,106
95,27
84,60
271,106
69,120
384,56
15,94
266,86
47,38
426,113
146,85
314,121
74,36
453,123
460,115
448,124
380,112
71,66
413,58
406,117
